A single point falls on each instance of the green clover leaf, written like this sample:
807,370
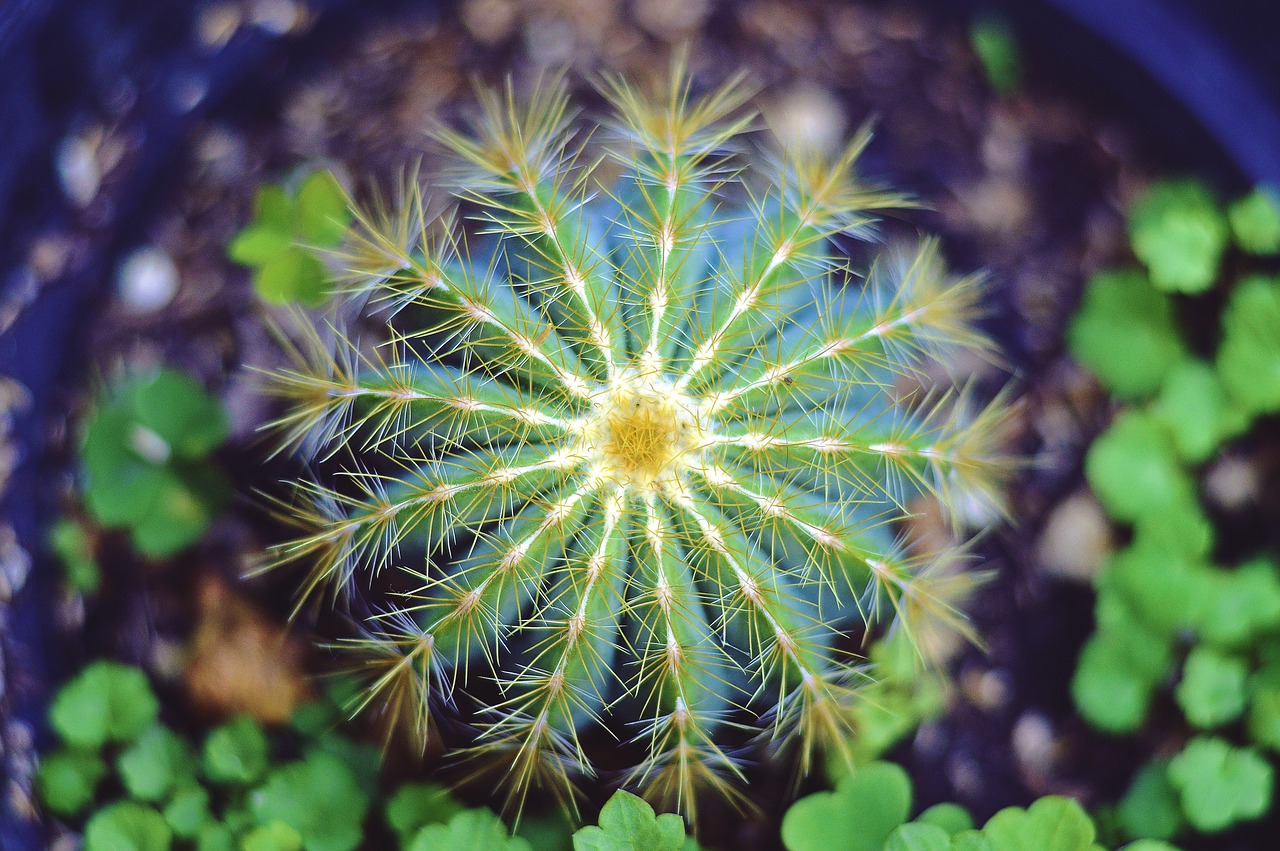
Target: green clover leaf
276,836
1124,333
1150,806
154,765
106,702
235,754
416,805
1178,231
280,243
318,797
1050,824
1197,410
1249,356
859,815
68,780
127,826
1220,785
915,836
627,823
480,830
1255,222
144,457
1134,470
188,811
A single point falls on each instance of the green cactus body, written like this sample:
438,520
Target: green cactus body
650,445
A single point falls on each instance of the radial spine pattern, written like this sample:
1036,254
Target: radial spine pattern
636,462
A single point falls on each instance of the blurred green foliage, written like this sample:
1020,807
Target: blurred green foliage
288,230
1170,619
146,465
869,811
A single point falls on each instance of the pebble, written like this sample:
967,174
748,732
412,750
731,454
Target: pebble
808,118
49,256
1076,539
489,21
147,280
1034,744
987,690
670,19
15,564
78,170
278,17
186,91
217,24
1232,483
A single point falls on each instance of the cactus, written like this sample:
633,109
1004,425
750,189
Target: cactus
636,461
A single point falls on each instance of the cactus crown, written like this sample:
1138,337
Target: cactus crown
635,464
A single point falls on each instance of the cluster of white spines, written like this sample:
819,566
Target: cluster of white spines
650,445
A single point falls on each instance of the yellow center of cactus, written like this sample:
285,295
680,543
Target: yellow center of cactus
642,431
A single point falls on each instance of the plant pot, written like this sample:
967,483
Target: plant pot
1199,78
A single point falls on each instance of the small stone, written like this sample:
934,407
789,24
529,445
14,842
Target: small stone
1232,483
15,564
49,255
217,24
1076,539
1034,744
78,171
996,205
670,19
808,118
147,280
278,17
489,21
987,690
186,91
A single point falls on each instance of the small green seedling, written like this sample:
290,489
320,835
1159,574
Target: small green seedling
145,461
868,811
317,796
72,544
1134,470
627,823
1197,411
1151,808
235,754
993,41
68,780
1049,824
1255,222
127,826
472,830
416,805
106,703
276,836
228,794
1125,334
1249,357
858,815
188,811
1179,233
1221,785
159,762
1214,687
281,242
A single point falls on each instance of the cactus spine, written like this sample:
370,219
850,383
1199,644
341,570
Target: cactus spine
634,464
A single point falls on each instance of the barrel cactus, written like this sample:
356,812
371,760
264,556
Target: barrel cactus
632,448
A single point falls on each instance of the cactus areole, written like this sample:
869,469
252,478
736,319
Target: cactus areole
632,449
